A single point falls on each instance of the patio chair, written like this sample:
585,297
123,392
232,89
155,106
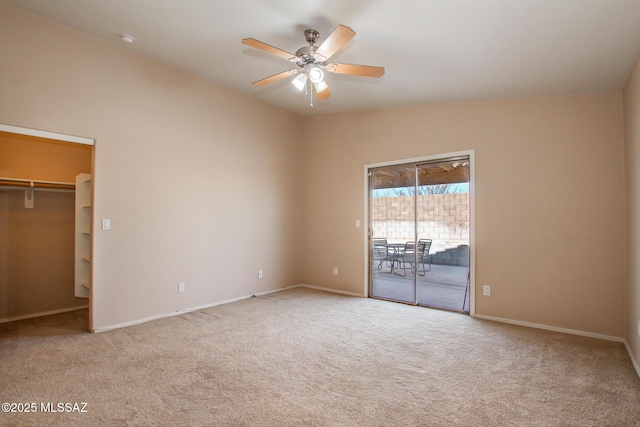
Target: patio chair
381,252
423,255
407,256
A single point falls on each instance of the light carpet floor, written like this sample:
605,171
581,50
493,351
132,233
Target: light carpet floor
309,358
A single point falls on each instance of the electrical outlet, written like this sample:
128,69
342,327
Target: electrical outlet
486,290
260,274
181,287
335,271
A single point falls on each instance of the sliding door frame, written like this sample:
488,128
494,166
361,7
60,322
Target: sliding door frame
472,216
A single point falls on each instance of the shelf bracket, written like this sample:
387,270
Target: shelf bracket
28,196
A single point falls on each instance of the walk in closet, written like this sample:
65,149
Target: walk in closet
45,226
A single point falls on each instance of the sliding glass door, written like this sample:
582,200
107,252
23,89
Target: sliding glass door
419,233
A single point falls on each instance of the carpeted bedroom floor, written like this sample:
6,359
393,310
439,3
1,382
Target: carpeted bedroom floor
308,358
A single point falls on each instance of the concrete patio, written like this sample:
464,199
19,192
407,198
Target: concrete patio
443,286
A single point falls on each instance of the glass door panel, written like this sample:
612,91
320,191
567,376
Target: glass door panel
443,234
392,235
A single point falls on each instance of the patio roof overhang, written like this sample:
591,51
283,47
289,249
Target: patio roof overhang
429,174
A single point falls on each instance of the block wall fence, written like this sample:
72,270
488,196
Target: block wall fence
443,218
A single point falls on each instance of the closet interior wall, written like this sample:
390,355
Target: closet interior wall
37,244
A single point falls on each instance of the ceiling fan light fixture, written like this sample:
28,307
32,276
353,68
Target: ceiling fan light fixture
316,75
300,81
321,85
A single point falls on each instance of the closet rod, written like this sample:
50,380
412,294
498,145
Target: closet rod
35,182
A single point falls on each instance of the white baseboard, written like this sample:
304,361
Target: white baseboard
189,310
335,291
43,313
551,328
632,357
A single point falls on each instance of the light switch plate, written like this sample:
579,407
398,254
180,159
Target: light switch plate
106,224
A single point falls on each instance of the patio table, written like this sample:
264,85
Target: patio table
397,247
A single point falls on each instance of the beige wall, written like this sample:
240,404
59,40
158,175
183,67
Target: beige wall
553,256
632,174
169,147
37,244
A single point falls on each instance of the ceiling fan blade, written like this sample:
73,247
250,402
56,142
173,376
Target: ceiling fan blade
324,94
274,78
356,70
269,49
338,38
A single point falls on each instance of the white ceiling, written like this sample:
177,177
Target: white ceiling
434,51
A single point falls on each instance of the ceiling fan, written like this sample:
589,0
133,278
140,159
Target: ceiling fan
312,61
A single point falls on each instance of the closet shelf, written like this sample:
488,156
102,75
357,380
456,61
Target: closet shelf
83,261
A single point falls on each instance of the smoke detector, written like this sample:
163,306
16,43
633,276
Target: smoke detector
127,39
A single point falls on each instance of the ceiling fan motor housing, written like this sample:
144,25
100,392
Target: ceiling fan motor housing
307,54
312,36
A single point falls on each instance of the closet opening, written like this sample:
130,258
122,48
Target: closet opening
45,228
